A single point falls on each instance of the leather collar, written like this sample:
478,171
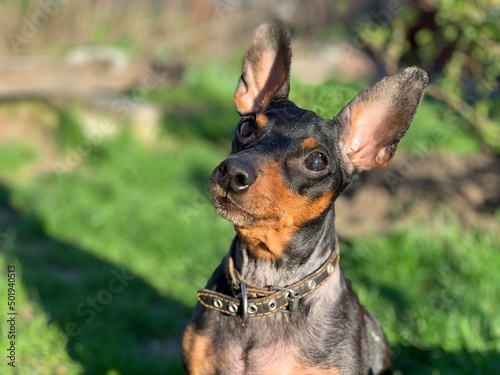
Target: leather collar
252,301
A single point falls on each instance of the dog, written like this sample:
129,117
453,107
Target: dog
279,303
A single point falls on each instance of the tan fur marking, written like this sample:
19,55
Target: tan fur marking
309,143
261,120
198,353
288,367
313,371
278,358
279,210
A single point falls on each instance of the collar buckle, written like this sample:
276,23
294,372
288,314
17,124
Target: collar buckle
292,295
244,301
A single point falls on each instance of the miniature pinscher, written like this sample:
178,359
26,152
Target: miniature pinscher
279,303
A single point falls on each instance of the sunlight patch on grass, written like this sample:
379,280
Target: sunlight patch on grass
429,286
14,156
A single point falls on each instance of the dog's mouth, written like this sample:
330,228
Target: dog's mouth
230,210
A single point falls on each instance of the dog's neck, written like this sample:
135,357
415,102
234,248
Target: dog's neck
310,248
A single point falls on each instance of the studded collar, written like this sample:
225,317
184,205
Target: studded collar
252,301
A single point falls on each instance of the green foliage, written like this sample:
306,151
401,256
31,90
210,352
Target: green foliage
14,156
125,208
69,133
446,297
466,31
326,100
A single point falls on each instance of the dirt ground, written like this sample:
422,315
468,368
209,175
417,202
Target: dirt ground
437,186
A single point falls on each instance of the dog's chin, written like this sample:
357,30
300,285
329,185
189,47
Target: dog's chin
231,212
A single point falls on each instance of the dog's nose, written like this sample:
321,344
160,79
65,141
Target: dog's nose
235,176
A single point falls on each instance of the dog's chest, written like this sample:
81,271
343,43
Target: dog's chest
279,358
274,345
279,344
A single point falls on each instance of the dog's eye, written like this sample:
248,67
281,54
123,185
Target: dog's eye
316,162
246,129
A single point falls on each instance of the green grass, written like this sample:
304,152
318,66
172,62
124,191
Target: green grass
429,286
14,156
125,208
145,212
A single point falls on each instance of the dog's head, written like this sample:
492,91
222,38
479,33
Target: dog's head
287,164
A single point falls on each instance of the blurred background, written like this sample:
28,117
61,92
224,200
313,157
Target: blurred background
114,113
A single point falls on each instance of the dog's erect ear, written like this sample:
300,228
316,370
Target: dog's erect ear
266,69
374,122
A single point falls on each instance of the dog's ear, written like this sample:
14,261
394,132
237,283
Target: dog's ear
374,122
266,69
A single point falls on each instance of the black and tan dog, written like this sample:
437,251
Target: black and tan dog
279,303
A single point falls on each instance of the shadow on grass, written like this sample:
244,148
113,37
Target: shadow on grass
114,320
